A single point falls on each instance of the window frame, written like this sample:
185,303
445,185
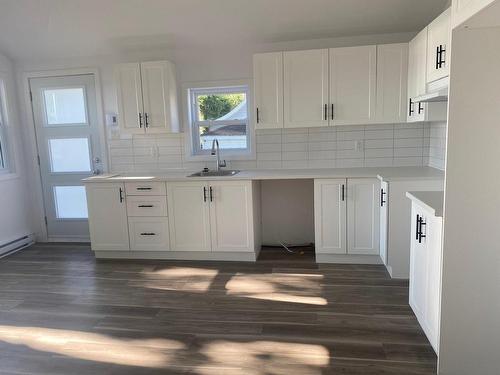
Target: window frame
193,150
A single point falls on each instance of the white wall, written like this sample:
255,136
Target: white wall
14,218
470,306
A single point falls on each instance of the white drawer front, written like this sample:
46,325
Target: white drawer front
138,205
145,188
149,234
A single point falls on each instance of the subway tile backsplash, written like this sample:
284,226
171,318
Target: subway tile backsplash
417,144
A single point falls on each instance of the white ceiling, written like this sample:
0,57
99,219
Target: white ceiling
32,29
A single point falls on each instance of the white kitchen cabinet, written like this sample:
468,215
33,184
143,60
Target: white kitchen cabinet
306,88
425,270
394,223
107,216
147,97
146,206
129,95
363,216
462,10
417,83
268,90
384,218
330,216
353,79
439,47
145,188
392,79
189,216
231,213
216,216
149,233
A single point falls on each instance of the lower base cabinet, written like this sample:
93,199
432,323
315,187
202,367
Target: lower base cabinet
107,216
425,270
216,216
346,216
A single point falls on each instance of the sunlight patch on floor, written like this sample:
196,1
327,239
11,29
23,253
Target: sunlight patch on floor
193,279
154,353
280,289
266,357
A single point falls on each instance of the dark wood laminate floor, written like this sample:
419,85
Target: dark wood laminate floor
63,312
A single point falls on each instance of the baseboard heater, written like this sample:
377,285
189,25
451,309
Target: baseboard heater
16,245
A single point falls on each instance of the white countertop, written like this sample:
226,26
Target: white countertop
385,173
432,200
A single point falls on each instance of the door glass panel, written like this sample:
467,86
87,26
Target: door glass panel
69,155
71,202
65,106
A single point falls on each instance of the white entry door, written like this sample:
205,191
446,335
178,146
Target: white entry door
66,125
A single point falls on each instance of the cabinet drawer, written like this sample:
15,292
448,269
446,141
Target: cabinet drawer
138,205
145,188
149,233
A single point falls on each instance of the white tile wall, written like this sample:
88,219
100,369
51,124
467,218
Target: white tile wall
342,146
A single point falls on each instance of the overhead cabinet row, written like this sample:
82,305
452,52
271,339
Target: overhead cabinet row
336,86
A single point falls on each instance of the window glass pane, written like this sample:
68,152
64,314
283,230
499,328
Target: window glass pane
69,155
65,106
217,107
229,136
71,202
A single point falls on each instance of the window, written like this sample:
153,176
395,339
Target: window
220,113
3,130
65,106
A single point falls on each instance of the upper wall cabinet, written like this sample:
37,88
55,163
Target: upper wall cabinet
353,79
268,90
462,10
147,97
417,76
306,88
392,78
439,47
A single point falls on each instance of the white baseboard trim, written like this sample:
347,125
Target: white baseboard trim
19,243
178,255
348,259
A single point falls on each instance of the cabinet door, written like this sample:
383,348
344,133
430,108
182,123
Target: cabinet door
189,216
417,76
330,216
231,215
439,47
384,219
392,78
268,89
306,88
353,79
433,232
107,216
129,95
418,269
363,216
160,97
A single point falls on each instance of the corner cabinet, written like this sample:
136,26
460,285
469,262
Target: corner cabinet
147,97
107,216
268,90
346,218
216,216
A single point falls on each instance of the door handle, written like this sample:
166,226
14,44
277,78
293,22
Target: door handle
204,194
145,206
411,110
382,193
140,119
326,112
343,192
333,112
211,194
417,229
121,195
148,234
258,118
420,234
146,119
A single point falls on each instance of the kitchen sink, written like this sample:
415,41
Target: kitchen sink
210,173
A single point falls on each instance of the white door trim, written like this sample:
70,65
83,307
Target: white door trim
31,143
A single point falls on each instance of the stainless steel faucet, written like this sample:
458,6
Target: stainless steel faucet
216,152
